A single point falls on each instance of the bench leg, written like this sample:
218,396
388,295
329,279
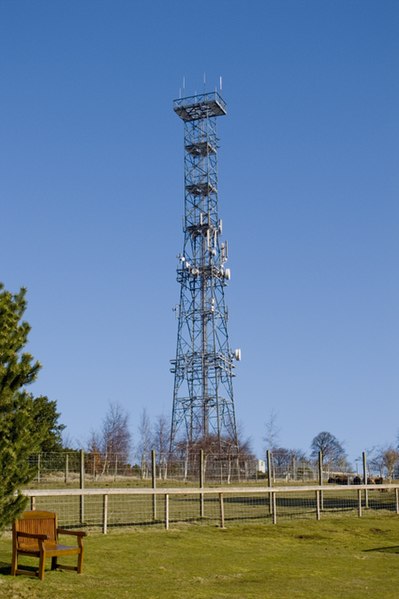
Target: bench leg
80,561
14,562
54,563
42,563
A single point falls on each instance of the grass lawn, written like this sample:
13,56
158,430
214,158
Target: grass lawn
339,556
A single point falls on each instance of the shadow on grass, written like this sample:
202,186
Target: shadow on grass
329,503
5,568
393,549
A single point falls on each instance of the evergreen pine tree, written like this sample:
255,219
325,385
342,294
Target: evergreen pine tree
20,432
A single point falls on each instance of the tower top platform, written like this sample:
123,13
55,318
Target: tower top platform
201,106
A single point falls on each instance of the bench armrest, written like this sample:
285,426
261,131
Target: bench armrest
75,533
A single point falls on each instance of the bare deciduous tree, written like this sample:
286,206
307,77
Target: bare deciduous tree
115,432
113,443
333,452
161,436
283,458
385,460
391,458
272,431
144,445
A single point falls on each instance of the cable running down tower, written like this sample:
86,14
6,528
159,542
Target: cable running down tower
203,405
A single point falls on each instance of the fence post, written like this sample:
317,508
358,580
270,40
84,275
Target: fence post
318,511
321,479
186,465
201,483
221,502
82,486
38,467
33,503
397,499
269,478
154,483
116,467
167,512
366,493
105,514
320,470
66,467
359,502
274,507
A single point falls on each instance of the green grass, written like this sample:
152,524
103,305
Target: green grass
340,556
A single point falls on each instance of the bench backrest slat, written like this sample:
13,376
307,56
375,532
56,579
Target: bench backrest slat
44,523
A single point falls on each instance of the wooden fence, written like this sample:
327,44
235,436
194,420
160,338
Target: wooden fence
210,503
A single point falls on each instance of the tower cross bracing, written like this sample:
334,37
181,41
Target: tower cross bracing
203,404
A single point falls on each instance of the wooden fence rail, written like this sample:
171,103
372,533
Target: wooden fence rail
270,494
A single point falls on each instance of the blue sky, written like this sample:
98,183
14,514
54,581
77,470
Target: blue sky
91,196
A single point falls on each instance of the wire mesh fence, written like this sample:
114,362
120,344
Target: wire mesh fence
79,469
113,507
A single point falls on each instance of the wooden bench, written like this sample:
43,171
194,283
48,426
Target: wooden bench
36,534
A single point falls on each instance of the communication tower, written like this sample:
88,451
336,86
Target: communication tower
203,405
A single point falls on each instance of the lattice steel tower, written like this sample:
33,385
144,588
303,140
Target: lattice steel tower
203,405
